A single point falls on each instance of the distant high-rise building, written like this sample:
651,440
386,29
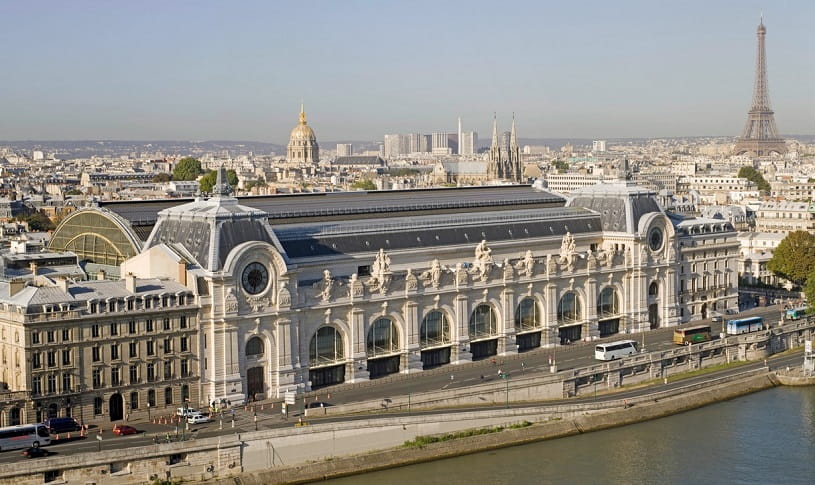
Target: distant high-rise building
468,143
598,146
441,144
302,147
760,136
425,143
38,155
392,146
344,149
458,140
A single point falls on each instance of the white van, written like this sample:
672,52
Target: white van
186,412
615,350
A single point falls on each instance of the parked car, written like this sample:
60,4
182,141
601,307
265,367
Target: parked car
717,319
198,418
62,425
318,404
184,412
35,452
124,430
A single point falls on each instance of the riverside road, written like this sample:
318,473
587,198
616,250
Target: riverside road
452,376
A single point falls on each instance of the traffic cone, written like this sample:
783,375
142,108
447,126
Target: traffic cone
261,407
69,435
57,438
328,396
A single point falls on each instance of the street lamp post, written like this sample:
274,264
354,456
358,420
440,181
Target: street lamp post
505,377
81,411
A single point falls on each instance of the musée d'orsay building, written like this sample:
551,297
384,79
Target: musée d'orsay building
273,292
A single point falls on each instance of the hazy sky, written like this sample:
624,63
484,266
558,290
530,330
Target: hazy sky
232,70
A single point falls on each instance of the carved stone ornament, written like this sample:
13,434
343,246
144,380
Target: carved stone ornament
411,282
567,251
509,271
432,275
325,287
355,288
230,301
591,261
283,296
526,266
380,272
551,265
461,275
483,260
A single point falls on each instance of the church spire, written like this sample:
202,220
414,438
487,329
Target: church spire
494,130
513,139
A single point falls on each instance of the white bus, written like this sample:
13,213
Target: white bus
615,350
24,436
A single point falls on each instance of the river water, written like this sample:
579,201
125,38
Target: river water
762,438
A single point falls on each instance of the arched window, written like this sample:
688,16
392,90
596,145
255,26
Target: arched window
326,347
14,417
653,289
569,309
383,338
168,395
254,347
607,302
527,315
435,330
482,322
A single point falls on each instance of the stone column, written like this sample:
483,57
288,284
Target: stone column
549,335
591,327
285,368
507,345
460,351
413,355
359,360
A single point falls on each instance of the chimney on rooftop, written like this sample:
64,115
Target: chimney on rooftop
62,283
130,283
33,267
101,275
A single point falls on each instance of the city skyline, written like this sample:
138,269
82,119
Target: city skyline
207,71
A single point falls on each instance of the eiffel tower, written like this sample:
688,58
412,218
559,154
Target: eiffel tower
760,136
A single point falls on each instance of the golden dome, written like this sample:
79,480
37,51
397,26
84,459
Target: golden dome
302,131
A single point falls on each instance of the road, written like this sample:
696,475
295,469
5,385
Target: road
529,364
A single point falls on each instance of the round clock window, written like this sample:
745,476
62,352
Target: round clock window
255,278
655,239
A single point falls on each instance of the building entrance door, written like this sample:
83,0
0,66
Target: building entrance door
254,381
116,406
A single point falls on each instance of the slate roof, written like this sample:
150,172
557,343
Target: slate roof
620,204
431,231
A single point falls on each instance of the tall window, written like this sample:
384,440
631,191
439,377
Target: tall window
168,396
66,357
36,385
383,338
66,382
151,347
114,329
326,347
151,398
168,370
97,406
569,309
482,322
52,383
527,315
133,349
134,374
114,351
97,378
185,368
115,379
52,358
134,400
434,330
151,372
607,303
131,327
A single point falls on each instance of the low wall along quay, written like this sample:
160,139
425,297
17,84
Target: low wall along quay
299,454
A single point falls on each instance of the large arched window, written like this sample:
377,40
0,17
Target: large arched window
569,309
435,330
607,302
482,322
653,290
383,338
254,347
527,315
326,347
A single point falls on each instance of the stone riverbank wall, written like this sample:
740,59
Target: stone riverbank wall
305,453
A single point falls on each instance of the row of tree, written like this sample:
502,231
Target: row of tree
189,168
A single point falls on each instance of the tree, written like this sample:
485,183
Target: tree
809,290
365,184
254,183
208,180
187,168
74,192
560,165
162,177
37,221
753,175
794,258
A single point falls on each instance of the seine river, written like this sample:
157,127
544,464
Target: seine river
762,438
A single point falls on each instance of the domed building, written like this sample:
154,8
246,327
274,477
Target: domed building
302,147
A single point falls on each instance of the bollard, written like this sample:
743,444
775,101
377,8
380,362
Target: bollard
261,407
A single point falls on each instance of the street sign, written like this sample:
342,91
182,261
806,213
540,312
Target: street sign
290,397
